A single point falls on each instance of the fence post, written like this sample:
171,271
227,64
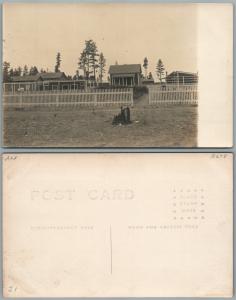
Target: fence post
21,99
132,96
95,99
57,99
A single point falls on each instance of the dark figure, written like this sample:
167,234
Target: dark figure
122,115
128,115
115,120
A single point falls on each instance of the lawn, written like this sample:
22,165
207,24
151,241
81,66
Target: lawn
171,126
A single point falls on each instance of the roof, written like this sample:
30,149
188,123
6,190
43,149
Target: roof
182,73
43,76
25,78
125,69
147,80
52,75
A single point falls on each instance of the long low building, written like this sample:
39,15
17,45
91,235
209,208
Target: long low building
49,76
125,75
180,77
40,82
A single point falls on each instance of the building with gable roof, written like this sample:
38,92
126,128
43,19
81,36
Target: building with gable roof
125,75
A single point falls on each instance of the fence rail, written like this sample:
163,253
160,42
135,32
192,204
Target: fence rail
173,94
95,97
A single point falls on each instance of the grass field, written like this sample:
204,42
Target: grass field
172,126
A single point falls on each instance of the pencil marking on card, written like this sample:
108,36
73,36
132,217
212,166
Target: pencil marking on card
9,157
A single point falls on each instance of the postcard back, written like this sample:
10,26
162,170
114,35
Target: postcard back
96,225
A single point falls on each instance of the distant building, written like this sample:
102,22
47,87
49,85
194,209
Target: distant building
26,78
38,82
125,75
146,81
179,77
52,76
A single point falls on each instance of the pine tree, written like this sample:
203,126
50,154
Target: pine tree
160,69
11,73
83,63
150,76
6,67
101,65
88,59
145,65
94,57
33,71
58,62
25,70
17,71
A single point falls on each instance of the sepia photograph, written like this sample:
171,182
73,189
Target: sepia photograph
116,75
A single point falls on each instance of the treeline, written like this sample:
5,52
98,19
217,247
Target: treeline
91,62
91,65
8,72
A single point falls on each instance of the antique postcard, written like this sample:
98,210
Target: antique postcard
118,74
118,225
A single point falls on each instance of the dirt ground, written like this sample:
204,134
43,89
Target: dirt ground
170,126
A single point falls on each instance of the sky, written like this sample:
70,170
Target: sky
33,33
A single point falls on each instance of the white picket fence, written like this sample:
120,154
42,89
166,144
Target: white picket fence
93,97
173,94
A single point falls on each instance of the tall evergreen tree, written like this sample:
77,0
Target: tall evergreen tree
160,69
88,61
101,65
58,62
145,65
83,64
94,57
